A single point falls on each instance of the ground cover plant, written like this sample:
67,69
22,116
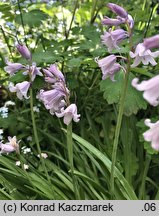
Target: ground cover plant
79,100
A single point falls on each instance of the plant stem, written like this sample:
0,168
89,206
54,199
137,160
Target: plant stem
36,135
142,188
70,158
6,40
67,32
73,16
119,118
94,4
22,21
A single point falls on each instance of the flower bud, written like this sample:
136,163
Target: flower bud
118,10
151,42
24,51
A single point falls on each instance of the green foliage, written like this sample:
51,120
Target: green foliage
112,93
69,34
33,18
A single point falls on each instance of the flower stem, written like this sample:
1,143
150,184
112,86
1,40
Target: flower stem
36,135
119,119
142,188
70,158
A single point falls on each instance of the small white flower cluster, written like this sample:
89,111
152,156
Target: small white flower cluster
4,109
36,109
26,150
4,112
29,138
43,155
18,163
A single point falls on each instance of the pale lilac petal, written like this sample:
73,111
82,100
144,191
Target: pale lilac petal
112,39
10,146
137,61
11,87
150,88
53,74
108,66
12,68
132,55
152,135
155,54
112,22
69,113
130,21
22,89
152,61
143,55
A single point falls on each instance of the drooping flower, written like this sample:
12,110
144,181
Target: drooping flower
122,16
12,68
53,74
111,39
150,88
24,51
54,99
69,113
143,55
152,135
108,66
10,146
118,10
151,42
21,89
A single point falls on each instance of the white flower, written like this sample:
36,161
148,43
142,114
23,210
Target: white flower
150,88
17,163
26,166
4,112
26,150
36,109
43,155
1,131
143,55
29,138
3,109
4,115
152,135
